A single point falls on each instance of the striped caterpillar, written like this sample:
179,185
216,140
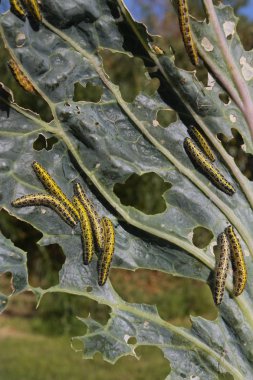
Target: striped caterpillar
221,269
18,74
53,188
202,142
47,201
105,260
34,9
207,167
183,14
238,262
87,236
18,9
96,224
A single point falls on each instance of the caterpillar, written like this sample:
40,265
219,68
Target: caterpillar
183,15
53,188
47,201
238,263
18,9
201,141
105,260
34,9
207,167
87,236
96,224
18,74
221,269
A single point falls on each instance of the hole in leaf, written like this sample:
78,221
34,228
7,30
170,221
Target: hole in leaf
89,93
144,192
224,98
132,340
166,117
176,298
233,146
6,283
89,289
43,262
201,237
43,143
225,376
129,73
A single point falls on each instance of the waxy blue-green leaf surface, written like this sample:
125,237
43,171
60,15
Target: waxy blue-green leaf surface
102,144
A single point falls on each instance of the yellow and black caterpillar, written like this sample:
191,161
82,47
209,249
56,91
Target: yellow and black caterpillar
222,265
18,9
201,141
20,77
184,22
34,9
104,262
207,167
47,201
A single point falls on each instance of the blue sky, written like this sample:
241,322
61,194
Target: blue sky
135,10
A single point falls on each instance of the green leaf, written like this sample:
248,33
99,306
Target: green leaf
102,139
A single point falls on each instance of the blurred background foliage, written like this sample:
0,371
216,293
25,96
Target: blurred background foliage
36,339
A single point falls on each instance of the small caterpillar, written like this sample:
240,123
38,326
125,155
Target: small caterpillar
18,74
201,141
105,260
87,237
53,188
207,167
47,201
96,224
185,28
34,9
18,9
221,269
238,263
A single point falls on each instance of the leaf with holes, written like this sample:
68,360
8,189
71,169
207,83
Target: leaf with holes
99,117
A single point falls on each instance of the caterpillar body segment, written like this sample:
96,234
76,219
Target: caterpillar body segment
20,77
96,224
202,142
184,22
221,270
206,166
18,9
52,187
47,201
105,259
87,236
34,9
238,262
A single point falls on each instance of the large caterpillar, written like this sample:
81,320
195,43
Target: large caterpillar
238,262
185,28
105,260
201,141
97,226
20,77
47,201
34,9
53,188
87,237
207,167
221,269
18,9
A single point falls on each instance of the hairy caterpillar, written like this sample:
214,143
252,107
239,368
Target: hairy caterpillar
207,167
221,269
53,188
87,237
105,260
18,74
34,9
18,9
185,28
238,263
201,141
97,226
47,201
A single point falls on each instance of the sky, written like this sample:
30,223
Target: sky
135,10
